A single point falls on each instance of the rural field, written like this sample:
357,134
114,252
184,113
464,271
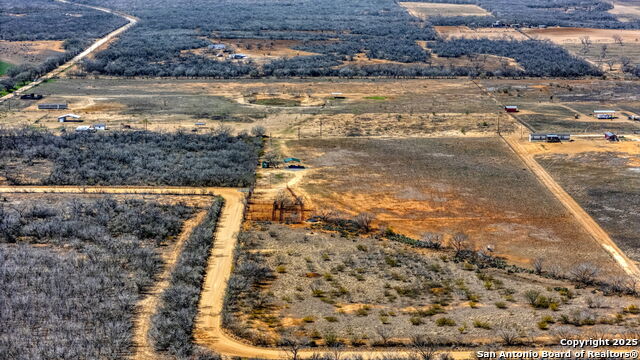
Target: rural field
603,178
329,180
474,186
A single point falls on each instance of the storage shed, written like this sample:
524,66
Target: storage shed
511,108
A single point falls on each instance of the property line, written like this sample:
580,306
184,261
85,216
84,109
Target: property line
583,218
97,44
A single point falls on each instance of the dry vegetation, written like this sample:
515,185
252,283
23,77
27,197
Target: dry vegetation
447,185
73,269
34,52
324,289
604,180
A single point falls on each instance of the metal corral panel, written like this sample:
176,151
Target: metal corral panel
52,106
543,137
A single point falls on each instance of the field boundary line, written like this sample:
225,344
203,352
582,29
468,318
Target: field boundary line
588,223
583,218
131,21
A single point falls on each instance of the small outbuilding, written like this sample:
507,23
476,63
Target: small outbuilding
511,108
611,136
100,127
69,118
291,159
217,46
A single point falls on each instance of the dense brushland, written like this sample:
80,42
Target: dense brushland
570,13
380,28
50,20
336,32
556,61
77,267
173,323
128,158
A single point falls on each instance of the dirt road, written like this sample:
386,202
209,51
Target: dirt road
575,209
147,306
98,43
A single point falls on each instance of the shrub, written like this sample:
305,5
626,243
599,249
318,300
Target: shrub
501,305
481,324
445,321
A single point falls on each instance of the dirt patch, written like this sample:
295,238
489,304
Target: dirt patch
21,52
566,35
465,32
626,11
423,10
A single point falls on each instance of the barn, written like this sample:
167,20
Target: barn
69,118
511,108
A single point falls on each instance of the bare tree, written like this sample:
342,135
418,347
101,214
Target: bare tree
364,220
423,347
384,334
586,44
624,63
273,157
258,130
610,62
433,238
336,351
585,273
538,264
292,347
460,242
618,39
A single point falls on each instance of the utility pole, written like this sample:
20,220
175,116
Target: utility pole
298,132
321,128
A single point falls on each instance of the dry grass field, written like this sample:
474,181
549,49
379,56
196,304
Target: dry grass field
567,35
603,177
329,289
447,185
553,105
465,32
347,107
626,10
423,10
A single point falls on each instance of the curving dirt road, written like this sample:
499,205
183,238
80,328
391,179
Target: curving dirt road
98,43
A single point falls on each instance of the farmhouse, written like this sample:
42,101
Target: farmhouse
52,106
69,118
511,108
604,114
551,138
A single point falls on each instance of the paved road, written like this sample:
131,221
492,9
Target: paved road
57,71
